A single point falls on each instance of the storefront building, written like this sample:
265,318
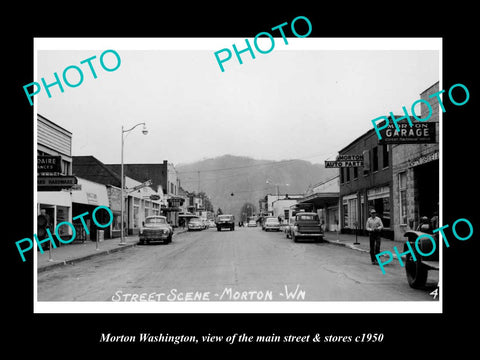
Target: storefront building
54,174
416,172
164,180
368,187
324,198
86,197
139,203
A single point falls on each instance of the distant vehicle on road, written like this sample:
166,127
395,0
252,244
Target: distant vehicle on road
252,223
306,225
271,223
195,224
211,223
155,228
225,221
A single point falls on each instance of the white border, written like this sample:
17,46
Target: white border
216,44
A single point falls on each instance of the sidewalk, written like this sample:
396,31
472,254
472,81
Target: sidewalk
72,253
348,240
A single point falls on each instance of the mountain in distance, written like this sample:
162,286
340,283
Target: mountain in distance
246,178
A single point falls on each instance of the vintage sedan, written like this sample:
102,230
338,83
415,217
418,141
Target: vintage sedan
252,223
271,223
196,224
155,228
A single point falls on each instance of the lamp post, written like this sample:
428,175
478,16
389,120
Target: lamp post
122,205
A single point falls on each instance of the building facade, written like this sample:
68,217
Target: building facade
54,162
324,198
416,173
138,204
368,187
164,180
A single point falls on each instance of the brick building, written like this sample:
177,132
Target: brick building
368,187
415,174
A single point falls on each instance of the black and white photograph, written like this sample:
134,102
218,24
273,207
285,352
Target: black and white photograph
213,179
258,186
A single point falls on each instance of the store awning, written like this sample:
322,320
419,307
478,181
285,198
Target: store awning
90,193
59,198
320,200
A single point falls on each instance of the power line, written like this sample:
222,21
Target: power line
272,163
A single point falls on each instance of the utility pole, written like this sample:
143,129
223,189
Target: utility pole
198,189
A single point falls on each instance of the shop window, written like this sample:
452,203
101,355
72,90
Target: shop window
375,158
382,206
366,162
402,187
386,160
135,217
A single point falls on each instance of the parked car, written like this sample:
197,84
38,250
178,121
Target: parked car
265,220
195,224
271,224
155,228
252,223
306,226
417,271
225,221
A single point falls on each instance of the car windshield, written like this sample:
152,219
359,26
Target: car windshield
155,220
195,220
307,217
269,220
224,217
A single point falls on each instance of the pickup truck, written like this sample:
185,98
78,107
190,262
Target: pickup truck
225,221
306,226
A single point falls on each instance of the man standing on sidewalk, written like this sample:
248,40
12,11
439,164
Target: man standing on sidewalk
374,226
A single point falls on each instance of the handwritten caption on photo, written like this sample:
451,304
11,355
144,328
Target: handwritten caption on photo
227,294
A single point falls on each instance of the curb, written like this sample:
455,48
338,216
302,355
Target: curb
353,247
59,263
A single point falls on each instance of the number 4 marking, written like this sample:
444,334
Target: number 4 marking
434,293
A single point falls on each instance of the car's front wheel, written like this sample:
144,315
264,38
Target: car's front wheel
416,272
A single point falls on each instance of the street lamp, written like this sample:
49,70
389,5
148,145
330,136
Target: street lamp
122,205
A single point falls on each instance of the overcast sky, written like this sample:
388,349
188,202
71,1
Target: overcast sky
304,104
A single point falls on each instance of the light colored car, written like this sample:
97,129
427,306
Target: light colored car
271,224
252,223
195,224
155,228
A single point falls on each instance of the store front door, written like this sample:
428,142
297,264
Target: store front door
427,189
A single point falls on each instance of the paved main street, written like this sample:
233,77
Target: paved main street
244,260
